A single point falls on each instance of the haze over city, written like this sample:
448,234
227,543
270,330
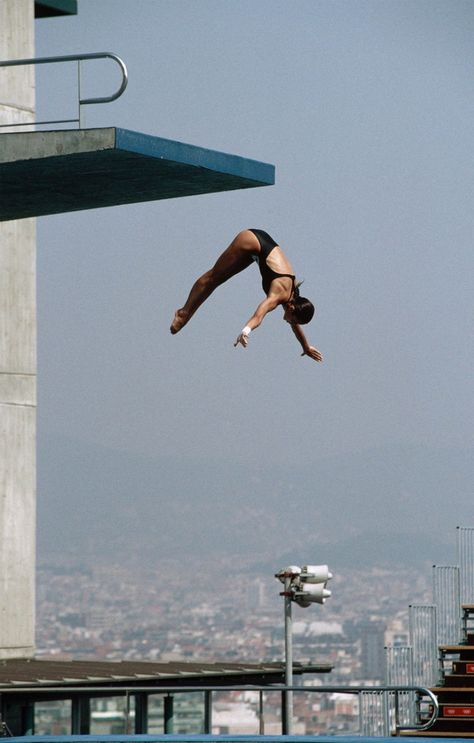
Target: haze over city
157,445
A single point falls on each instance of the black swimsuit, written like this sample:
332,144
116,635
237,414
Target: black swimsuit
267,244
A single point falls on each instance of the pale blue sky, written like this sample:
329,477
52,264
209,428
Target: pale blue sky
366,108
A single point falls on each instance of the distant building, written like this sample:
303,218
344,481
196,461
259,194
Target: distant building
372,654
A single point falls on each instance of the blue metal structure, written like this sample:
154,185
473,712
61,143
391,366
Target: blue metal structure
53,172
48,8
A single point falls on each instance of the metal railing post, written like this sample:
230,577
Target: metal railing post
79,110
168,713
141,714
81,101
261,721
208,712
127,714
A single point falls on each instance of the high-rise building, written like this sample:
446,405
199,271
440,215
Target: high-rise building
372,637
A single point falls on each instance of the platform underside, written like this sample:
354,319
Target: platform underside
61,171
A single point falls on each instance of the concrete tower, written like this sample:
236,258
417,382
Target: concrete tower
70,165
17,362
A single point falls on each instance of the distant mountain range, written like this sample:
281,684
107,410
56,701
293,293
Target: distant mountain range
392,505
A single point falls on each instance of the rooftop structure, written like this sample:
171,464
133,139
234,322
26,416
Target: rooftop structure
26,682
35,674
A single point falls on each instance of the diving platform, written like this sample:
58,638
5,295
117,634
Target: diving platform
51,172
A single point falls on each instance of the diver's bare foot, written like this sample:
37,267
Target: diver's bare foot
179,322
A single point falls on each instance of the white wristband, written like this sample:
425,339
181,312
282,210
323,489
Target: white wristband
246,330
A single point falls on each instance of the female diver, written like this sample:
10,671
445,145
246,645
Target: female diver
278,283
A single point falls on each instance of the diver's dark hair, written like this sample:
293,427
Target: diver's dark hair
303,309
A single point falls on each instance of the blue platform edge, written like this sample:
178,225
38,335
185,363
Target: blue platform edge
213,739
199,157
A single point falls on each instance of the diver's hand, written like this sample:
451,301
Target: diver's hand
243,338
313,353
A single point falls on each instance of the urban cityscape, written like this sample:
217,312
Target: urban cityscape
125,612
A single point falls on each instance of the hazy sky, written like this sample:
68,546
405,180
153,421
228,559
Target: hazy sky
366,108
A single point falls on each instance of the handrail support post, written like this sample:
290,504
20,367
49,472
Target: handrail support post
81,101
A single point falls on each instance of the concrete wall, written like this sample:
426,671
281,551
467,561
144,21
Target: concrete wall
17,362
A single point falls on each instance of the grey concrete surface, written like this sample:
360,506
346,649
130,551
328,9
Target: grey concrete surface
17,362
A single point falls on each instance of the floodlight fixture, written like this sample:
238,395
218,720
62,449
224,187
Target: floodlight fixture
292,571
304,586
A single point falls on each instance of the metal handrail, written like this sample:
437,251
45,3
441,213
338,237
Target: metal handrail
81,101
167,690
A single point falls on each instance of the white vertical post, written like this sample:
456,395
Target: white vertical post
399,665
373,714
465,540
399,672
423,639
447,597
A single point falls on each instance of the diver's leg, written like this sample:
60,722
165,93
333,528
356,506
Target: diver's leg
235,258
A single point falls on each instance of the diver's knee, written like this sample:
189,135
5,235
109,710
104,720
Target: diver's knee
209,280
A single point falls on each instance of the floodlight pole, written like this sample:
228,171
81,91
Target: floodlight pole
287,577
287,721
306,586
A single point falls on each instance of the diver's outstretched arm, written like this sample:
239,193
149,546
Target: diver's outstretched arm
268,305
307,349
